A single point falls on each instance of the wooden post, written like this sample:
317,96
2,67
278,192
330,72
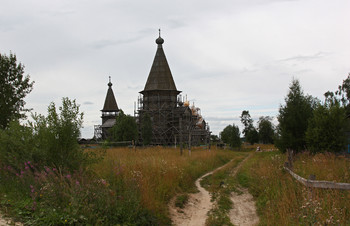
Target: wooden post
189,142
133,145
290,158
180,125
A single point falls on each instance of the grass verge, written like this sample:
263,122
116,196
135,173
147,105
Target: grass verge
283,201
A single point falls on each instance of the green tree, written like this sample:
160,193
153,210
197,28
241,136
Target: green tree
231,135
327,129
57,135
266,130
249,131
214,138
293,119
146,129
50,140
330,123
252,136
247,122
16,145
125,128
14,87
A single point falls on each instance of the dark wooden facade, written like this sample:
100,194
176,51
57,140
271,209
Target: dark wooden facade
173,121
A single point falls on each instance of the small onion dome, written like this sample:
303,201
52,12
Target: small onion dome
159,41
109,83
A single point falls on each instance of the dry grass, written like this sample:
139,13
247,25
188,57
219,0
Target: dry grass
283,201
160,172
325,166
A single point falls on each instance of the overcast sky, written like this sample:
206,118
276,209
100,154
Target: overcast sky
227,56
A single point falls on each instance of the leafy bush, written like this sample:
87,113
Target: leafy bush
49,140
327,129
16,145
57,135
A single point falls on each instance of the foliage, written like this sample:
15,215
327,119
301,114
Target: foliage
252,136
266,130
57,136
214,138
330,121
326,130
249,131
16,145
293,119
125,128
50,140
14,87
231,135
146,129
341,96
247,122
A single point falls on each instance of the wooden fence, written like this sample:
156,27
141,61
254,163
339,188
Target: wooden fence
318,183
311,182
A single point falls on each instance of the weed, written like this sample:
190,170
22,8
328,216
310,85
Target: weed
181,201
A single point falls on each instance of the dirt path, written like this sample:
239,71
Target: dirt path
195,211
199,204
243,212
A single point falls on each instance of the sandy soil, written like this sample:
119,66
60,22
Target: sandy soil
4,221
195,211
244,210
199,204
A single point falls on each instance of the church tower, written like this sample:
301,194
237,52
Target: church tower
159,98
109,112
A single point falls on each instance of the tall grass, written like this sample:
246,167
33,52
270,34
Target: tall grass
283,201
160,173
127,187
325,166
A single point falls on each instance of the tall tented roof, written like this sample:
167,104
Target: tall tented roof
160,77
110,102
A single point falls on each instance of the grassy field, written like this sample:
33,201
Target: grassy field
131,187
283,201
160,173
334,168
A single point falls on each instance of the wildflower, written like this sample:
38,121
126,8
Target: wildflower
68,176
77,182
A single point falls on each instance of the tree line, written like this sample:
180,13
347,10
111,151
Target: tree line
304,122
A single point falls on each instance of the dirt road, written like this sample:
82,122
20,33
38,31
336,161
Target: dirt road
199,204
195,211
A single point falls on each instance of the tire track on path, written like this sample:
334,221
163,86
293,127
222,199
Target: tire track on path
198,205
